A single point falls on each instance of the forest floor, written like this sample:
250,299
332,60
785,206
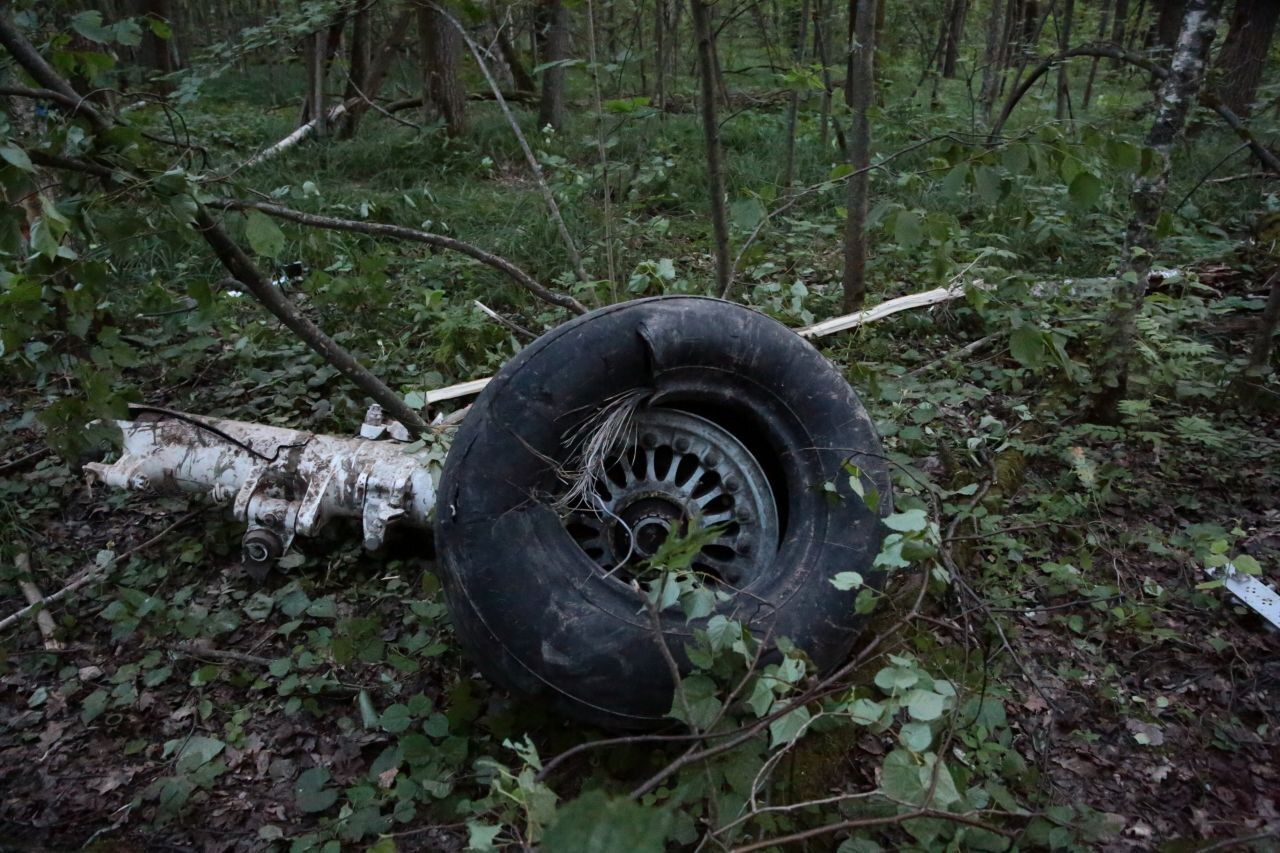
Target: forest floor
181,705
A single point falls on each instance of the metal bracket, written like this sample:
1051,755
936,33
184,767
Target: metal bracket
1252,592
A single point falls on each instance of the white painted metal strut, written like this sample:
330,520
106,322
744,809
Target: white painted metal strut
280,482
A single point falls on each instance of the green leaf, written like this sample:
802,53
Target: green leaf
907,522
597,822
866,712
700,694
953,183
746,213
987,181
925,705
15,156
264,235
845,581
1247,564
368,713
761,699
907,229
310,793
396,718
788,727
1027,346
900,777
480,836
916,736
89,25
1085,189
197,752
93,706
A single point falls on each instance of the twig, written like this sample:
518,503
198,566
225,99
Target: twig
24,460
94,573
198,649
955,355
504,321
861,823
383,229
22,562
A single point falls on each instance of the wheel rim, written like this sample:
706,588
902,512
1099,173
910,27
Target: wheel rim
679,468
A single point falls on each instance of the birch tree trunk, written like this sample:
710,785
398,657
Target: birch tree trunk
703,34
861,83
1177,94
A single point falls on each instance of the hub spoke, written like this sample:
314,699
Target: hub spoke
679,465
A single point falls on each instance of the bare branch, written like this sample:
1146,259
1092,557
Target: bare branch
382,229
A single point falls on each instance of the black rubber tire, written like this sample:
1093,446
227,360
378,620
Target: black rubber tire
541,618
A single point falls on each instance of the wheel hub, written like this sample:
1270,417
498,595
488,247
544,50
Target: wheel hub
681,471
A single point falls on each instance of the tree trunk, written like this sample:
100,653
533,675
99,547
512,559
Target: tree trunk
862,83
441,52
991,61
955,35
319,110
378,70
358,57
154,51
1260,356
553,29
704,36
1169,23
520,77
1120,22
1064,44
660,56
828,86
1177,94
793,105
1244,53
1104,21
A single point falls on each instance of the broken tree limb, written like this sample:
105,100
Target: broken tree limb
22,562
233,257
93,573
247,273
382,229
505,322
884,309
296,136
817,330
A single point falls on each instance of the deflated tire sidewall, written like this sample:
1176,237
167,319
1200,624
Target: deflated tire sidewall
537,614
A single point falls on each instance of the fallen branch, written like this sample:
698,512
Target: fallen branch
93,573
297,135
34,597
505,322
382,229
273,299
817,330
884,309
